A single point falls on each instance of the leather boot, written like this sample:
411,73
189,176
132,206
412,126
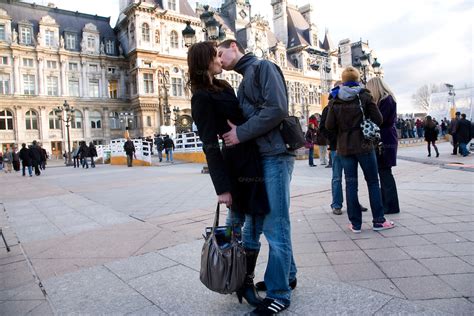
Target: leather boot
248,291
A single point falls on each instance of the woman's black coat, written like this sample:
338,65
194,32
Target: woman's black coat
236,169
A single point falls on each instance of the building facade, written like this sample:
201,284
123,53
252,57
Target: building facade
133,76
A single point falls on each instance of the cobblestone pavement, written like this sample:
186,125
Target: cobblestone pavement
115,240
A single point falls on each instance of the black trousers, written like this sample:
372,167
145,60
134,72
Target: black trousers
389,191
455,144
37,169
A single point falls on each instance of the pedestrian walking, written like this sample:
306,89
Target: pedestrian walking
35,156
311,138
84,154
345,116
25,158
8,160
168,144
92,153
431,135
263,85
453,132
387,155
129,148
16,159
159,146
464,135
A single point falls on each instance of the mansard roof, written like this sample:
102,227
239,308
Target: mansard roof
298,28
67,20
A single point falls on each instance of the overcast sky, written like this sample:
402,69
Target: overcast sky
417,41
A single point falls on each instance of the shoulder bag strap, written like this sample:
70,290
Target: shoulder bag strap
361,108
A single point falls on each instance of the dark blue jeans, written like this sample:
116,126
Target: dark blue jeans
336,182
275,226
368,163
311,156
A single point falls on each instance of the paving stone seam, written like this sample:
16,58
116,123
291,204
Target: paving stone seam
133,289
145,243
37,280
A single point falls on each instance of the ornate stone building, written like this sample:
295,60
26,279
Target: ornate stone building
134,75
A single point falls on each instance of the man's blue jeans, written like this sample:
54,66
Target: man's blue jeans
463,149
311,156
275,226
368,163
169,154
336,182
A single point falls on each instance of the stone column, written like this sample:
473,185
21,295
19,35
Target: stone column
64,91
104,91
16,75
105,124
87,125
43,123
122,84
41,89
83,90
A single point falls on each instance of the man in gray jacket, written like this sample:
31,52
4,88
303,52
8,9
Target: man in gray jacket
264,102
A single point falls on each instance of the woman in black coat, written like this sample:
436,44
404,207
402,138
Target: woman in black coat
236,171
431,135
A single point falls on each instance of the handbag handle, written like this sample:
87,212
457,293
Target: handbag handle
216,217
361,108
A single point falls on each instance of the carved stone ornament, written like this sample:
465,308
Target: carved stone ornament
90,27
47,20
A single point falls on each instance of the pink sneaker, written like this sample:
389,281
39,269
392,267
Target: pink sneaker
383,226
355,231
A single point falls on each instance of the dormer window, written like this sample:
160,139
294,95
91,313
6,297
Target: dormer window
71,41
26,35
90,42
172,5
109,47
49,38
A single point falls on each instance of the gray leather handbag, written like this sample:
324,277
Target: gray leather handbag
223,260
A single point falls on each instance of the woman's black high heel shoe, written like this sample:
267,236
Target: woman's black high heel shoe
248,291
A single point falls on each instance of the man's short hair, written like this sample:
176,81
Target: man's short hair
227,43
463,115
458,113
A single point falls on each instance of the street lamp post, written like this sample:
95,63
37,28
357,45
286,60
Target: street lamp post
166,107
451,94
364,64
66,114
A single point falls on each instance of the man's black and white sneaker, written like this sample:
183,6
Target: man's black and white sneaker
268,307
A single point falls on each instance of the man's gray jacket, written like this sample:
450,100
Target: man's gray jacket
264,103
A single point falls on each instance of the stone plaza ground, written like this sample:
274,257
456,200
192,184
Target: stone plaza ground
117,240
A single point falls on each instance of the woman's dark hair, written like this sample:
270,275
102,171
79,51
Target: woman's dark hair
200,56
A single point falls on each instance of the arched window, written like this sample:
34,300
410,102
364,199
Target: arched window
76,120
157,36
96,120
31,120
145,32
54,121
174,39
295,62
6,120
114,120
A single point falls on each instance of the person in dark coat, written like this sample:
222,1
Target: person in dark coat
44,157
159,146
84,153
464,135
92,153
453,128
345,117
16,159
387,158
25,160
431,135
235,171
311,138
35,155
168,144
129,148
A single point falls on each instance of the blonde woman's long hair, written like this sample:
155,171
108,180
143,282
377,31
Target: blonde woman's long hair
379,89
